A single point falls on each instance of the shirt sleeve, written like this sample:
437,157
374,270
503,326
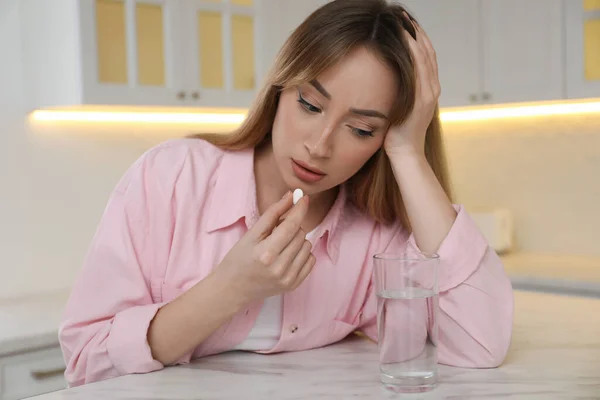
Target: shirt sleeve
105,323
475,298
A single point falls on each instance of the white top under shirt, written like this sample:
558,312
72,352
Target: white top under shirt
267,328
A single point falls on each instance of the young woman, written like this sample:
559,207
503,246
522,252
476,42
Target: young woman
200,250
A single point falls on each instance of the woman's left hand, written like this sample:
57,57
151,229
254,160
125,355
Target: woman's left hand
411,134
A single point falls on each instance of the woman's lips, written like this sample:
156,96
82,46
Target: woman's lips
306,173
310,168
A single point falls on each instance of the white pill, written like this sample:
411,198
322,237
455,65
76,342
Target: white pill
298,193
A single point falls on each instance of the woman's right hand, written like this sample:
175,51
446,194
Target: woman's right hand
270,259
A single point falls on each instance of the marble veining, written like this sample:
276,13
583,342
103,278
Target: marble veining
555,354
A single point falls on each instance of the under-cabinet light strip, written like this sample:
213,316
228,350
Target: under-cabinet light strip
235,118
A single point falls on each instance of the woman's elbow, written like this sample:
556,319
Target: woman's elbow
481,342
495,355
496,310
476,355
502,338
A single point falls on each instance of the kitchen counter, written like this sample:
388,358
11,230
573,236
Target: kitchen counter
30,323
554,273
555,354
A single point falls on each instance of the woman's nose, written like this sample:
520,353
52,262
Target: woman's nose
319,144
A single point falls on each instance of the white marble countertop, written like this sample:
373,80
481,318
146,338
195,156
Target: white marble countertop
30,323
555,354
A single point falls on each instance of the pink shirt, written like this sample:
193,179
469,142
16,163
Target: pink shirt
180,208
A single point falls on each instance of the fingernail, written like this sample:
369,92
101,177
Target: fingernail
286,194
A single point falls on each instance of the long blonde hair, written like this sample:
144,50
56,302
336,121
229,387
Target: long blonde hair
322,40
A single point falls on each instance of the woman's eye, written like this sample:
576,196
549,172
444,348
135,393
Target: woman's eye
362,132
307,106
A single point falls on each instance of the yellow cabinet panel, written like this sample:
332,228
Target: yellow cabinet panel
242,36
592,49
210,40
242,2
150,44
111,41
589,5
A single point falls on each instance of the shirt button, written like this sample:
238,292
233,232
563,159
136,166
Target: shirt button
293,328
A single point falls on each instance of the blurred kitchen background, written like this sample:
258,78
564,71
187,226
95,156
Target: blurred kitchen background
86,86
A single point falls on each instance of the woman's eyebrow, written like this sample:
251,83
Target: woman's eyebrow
320,88
367,113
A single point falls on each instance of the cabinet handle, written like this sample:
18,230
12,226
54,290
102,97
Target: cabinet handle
487,96
473,98
181,95
46,374
195,95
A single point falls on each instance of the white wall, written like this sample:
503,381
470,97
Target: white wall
546,170
54,182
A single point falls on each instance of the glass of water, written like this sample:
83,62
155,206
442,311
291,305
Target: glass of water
406,285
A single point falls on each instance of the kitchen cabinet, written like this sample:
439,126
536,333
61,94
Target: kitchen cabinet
582,40
495,51
522,51
201,53
453,28
214,53
220,60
